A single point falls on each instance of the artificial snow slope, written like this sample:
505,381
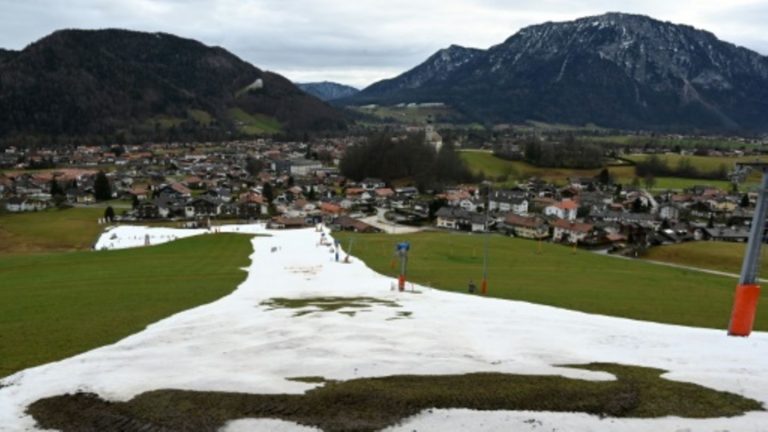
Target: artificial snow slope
238,344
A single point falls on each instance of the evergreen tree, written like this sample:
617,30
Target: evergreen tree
266,192
649,181
109,214
744,201
101,187
56,188
604,177
253,166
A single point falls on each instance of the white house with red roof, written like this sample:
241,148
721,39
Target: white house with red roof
565,209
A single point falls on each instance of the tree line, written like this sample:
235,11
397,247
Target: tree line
656,166
390,157
568,153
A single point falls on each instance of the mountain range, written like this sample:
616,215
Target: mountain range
614,70
327,90
121,84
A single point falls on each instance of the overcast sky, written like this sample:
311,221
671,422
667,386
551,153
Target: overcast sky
358,42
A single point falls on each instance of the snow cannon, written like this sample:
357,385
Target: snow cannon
748,291
401,250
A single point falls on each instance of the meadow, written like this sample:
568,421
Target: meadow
722,256
56,305
495,168
255,124
701,163
558,276
508,171
51,230
639,141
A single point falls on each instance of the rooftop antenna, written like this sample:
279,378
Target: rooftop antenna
748,291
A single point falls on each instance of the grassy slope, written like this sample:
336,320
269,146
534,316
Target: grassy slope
53,306
560,277
723,256
411,115
50,230
255,124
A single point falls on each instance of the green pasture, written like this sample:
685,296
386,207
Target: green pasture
53,306
558,276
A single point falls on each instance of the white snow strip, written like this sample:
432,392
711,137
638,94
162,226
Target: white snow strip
130,236
266,425
235,344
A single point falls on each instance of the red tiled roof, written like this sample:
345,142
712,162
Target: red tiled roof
330,208
384,192
572,226
528,222
567,204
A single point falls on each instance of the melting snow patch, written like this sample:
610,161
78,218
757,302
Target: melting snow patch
233,345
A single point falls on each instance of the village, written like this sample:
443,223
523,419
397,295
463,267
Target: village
298,184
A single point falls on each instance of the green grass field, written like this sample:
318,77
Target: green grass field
678,183
560,276
254,124
494,167
669,142
53,306
722,256
200,116
50,230
413,115
701,163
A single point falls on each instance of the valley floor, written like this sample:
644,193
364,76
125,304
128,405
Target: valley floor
250,342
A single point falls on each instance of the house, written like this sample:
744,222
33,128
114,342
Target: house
139,191
565,209
532,227
670,212
372,184
471,204
147,210
202,207
331,208
508,201
181,190
408,191
644,219
85,197
568,231
383,194
729,234
346,223
304,167
284,222
460,219
17,205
